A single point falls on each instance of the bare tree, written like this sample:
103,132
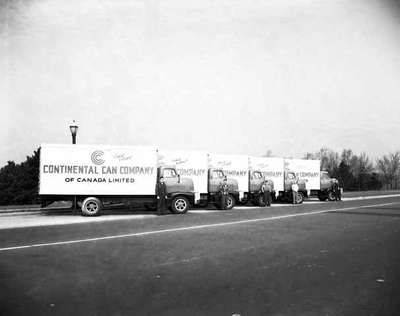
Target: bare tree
361,166
395,168
389,167
346,156
383,166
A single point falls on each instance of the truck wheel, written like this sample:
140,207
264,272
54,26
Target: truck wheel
260,201
322,197
91,206
230,202
300,197
331,196
179,205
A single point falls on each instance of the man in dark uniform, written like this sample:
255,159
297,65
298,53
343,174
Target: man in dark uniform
295,189
161,192
267,189
336,192
224,191
263,197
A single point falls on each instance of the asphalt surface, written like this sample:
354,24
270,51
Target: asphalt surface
338,258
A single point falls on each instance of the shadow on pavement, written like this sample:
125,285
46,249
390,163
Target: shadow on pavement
63,212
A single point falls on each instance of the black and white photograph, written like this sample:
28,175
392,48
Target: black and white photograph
200,157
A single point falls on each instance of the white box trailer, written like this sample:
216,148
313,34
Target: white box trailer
93,174
235,167
307,171
99,170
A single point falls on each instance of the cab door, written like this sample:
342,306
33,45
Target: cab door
290,178
256,179
170,179
326,182
215,178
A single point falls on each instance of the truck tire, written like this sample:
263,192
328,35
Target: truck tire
322,197
300,197
260,201
230,202
91,206
331,196
179,205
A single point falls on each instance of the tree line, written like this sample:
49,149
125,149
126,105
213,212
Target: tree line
356,172
19,183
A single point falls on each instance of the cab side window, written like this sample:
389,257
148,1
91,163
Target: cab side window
169,173
216,174
324,176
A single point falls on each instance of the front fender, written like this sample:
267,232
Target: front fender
189,195
184,186
233,185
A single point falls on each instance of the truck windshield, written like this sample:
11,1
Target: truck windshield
217,174
291,176
169,173
324,176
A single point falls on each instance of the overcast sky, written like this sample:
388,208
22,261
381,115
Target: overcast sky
218,75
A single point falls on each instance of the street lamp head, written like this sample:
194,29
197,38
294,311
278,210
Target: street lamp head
73,128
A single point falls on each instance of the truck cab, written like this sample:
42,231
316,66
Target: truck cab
180,191
256,180
215,179
326,192
290,178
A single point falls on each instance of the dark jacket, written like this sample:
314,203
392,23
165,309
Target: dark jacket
161,190
224,188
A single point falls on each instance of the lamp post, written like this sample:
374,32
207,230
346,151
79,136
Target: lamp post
74,129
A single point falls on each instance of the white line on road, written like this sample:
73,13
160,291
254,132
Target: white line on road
178,229
369,197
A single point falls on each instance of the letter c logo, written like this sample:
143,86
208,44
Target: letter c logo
96,157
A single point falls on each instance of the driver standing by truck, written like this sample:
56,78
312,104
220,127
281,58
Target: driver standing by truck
337,192
295,189
223,190
161,192
266,190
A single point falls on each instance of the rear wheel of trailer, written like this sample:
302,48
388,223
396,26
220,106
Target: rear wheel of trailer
91,206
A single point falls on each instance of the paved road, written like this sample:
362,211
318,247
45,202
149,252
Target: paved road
313,259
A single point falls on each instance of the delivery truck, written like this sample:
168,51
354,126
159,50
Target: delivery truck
317,183
261,169
206,173
235,167
94,175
